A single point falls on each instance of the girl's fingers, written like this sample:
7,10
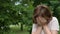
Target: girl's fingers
38,21
42,20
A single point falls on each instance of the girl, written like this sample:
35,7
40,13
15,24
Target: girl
44,22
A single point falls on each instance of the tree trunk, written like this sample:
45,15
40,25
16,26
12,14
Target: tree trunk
21,27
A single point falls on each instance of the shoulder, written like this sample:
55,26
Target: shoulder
54,19
34,24
54,24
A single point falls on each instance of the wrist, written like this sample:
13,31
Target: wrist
44,26
39,26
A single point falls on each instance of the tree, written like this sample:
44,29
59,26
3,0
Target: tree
8,14
15,11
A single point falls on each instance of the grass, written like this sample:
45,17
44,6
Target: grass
16,30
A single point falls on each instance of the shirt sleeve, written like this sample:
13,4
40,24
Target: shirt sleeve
55,24
34,27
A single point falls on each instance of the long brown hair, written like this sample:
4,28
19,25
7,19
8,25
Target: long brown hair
44,11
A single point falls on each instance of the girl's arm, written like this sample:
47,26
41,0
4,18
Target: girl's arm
38,30
54,27
48,31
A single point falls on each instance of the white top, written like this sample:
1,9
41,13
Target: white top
53,25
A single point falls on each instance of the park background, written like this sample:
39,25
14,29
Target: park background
16,15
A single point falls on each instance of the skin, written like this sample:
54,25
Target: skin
43,25
39,28
47,31
38,31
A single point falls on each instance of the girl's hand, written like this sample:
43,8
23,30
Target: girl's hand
38,21
41,21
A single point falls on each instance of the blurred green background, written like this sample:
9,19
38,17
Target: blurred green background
16,15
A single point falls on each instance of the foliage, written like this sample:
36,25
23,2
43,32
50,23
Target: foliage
21,11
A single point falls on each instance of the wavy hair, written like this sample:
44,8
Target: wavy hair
44,11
